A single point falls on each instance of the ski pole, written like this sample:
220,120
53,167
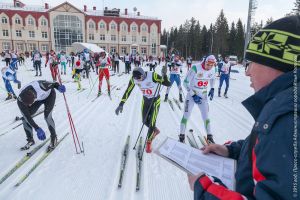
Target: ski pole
93,85
148,111
72,126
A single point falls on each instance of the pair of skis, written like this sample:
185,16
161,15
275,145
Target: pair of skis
18,119
139,162
192,139
112,88
26,158
172,105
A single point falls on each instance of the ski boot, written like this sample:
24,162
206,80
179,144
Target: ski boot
28,145
40,73
166,98
225,95
9,96
209,139
99,93
180,98
155,132
19,85
53,143
181,138
36,74
219,92
15,96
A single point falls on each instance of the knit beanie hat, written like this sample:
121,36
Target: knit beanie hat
27,97
277,45
138,72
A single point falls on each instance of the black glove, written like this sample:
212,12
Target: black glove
119,109
211,93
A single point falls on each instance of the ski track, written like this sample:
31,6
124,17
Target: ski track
95,175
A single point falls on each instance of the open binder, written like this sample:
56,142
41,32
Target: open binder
194,162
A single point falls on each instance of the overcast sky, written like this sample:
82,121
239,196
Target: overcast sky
175,12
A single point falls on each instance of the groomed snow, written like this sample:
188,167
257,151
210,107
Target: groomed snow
64,175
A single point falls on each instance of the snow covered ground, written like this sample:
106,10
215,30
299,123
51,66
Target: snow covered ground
64,175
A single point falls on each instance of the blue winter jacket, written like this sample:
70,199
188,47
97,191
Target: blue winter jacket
268,160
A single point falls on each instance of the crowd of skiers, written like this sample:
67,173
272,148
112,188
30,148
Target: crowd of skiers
265,157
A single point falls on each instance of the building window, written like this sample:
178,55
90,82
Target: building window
102,25
123,50
44,47
44,22
113,38
144,50
20,47
144,39
67,30
124,27
113,49
133,38
153,48
30,21
31,34
31,46
6,46
17,20
91,37
144,28
102,37
123,38
5,33
18,33
91,25
79,37
103,47
4,20
133,28
113,26
44,35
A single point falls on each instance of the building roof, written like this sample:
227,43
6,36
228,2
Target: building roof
39,8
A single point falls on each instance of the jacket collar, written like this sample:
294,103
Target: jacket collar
255,103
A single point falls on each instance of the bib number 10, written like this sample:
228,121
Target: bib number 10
202,83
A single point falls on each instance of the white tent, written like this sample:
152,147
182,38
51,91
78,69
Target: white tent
78,47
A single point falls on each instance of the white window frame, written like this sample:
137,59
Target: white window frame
123,50
102,25
91,25
133,38
144,50
91,36
30,21
124,27
31,34
17,20
153,48
144,28
5,46
133,28
44,22
113,26
20,46
113,38
5,33
18,33
4,20
44,47
113,49
44,35
31,46
103,47
102,37
144,39
123,39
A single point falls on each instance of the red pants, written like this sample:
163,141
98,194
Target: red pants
54,72
104,72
